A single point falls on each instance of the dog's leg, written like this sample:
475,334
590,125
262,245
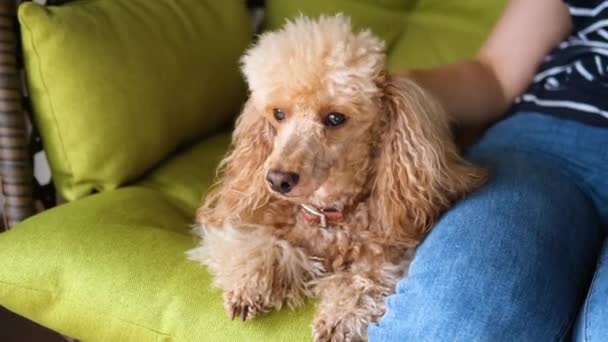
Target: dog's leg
257,271
350,300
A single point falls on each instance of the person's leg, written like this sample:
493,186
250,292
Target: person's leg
592,324
511,262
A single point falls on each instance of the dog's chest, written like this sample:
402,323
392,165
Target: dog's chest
339,245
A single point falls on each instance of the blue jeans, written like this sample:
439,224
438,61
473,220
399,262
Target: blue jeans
522,259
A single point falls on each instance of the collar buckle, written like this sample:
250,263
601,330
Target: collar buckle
314,211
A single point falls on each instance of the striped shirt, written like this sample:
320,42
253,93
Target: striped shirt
572,82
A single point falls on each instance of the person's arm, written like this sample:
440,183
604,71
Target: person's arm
480,90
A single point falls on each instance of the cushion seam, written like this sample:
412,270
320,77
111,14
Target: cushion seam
51,104
55,297
178,203
27,288
135,225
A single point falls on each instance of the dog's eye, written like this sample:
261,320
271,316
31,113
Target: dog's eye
334,119
279,114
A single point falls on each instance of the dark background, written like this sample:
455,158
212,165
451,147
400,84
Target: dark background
14,328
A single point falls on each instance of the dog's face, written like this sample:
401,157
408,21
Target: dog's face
318,134
319,86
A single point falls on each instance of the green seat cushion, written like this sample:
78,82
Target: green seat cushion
111,267
117,85
418,33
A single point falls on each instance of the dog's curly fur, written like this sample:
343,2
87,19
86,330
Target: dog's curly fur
391,169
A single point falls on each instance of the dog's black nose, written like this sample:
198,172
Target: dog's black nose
282,182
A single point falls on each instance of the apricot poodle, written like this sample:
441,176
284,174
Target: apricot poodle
336,172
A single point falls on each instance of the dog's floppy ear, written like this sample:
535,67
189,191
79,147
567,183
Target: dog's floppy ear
420,171
240,188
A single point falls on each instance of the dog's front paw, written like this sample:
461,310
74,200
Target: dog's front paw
338,329
246,302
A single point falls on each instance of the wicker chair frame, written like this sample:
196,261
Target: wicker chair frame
16,172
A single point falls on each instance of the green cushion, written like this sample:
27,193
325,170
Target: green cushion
418,33
111,267
117,85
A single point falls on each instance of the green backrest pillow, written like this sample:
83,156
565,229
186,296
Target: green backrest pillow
116,85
